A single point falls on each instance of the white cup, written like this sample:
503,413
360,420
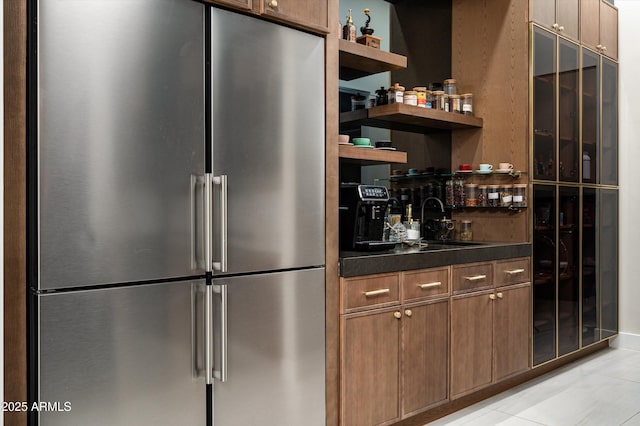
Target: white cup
413,234
506,166
486,167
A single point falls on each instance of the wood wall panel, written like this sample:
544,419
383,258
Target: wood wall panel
332,292
490,44
15,327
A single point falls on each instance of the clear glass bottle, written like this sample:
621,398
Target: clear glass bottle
466,234
349,30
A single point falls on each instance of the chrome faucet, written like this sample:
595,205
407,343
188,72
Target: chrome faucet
424,202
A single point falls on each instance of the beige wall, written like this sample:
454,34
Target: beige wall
629,33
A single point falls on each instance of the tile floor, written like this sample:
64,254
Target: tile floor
602,389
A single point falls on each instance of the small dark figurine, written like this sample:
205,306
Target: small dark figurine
366,30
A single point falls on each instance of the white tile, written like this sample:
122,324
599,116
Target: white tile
634,421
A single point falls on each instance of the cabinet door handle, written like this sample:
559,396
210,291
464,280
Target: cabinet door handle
555,26
397,315
500,295
560,28
429,285
377,292
475,277
514,271
273,4
604,48
408,312
599,47
492,296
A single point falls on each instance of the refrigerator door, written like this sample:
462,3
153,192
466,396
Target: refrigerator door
268,139
274,349
123,356
121,138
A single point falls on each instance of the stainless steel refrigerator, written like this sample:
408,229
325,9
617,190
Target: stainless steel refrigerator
176,216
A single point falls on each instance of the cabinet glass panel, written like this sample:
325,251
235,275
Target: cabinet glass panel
544,270
568,111
568,270
609,262
590,117
590,288
544,104
609,122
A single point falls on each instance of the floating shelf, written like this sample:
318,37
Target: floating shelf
408,118
358,60
371,155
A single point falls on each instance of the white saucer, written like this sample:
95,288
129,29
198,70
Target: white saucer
483,172
503,170
345,143
387,148
464,171
363,146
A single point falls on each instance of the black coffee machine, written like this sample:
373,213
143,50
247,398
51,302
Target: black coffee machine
362,217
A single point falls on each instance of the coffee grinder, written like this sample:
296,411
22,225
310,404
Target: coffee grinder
362,217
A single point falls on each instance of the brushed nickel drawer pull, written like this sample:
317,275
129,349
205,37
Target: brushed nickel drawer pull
376,292
514,271
433,284
475,278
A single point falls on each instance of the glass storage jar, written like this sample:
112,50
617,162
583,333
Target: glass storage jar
483,192
439,99
506,195
410,98
458,193
466,234
431,100
471,195
449,198
450,86
493,196
519,195
396,94
467,104
454,104
422,96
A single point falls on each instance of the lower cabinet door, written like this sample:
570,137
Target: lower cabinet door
511,330
425,356
370,367
471,342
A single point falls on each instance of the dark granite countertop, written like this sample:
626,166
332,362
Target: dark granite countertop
353,263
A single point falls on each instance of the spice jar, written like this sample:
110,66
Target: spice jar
358,101
422,96
445,101
454,104
519,195
396,94
439,99
449,196
493,196
471,195
458,193
483,192
467,104
466,234
431,99
410,98
450,86
506,195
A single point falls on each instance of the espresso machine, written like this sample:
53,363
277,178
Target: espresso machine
362,217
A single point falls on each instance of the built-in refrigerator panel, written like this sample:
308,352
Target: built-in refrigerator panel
123,356
274,326
268,139
121,140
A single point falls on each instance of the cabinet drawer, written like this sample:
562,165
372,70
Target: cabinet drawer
370,291
474,276
512,271
425,283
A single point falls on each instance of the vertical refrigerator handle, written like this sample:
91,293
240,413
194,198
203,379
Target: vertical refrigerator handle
220,370
221,266
208,219
201,333
200,219
208,332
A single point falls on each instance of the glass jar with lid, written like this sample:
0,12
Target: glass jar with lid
439,99
483,192
467,104
466,234
450,86
422,96
449,198
410,98
493,196
506,195
471,195
458,193
519,195
396,94
431,100
454,104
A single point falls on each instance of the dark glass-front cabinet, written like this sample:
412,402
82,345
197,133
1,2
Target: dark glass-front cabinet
574,172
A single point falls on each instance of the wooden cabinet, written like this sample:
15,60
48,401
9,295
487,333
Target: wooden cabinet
236,4
311,14
560,16
512,331
425,356
370,368
599,26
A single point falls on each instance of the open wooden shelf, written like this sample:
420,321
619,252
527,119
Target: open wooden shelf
358,60
371,155
408,118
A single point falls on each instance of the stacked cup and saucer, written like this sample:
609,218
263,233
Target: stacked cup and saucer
504,168
484,168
